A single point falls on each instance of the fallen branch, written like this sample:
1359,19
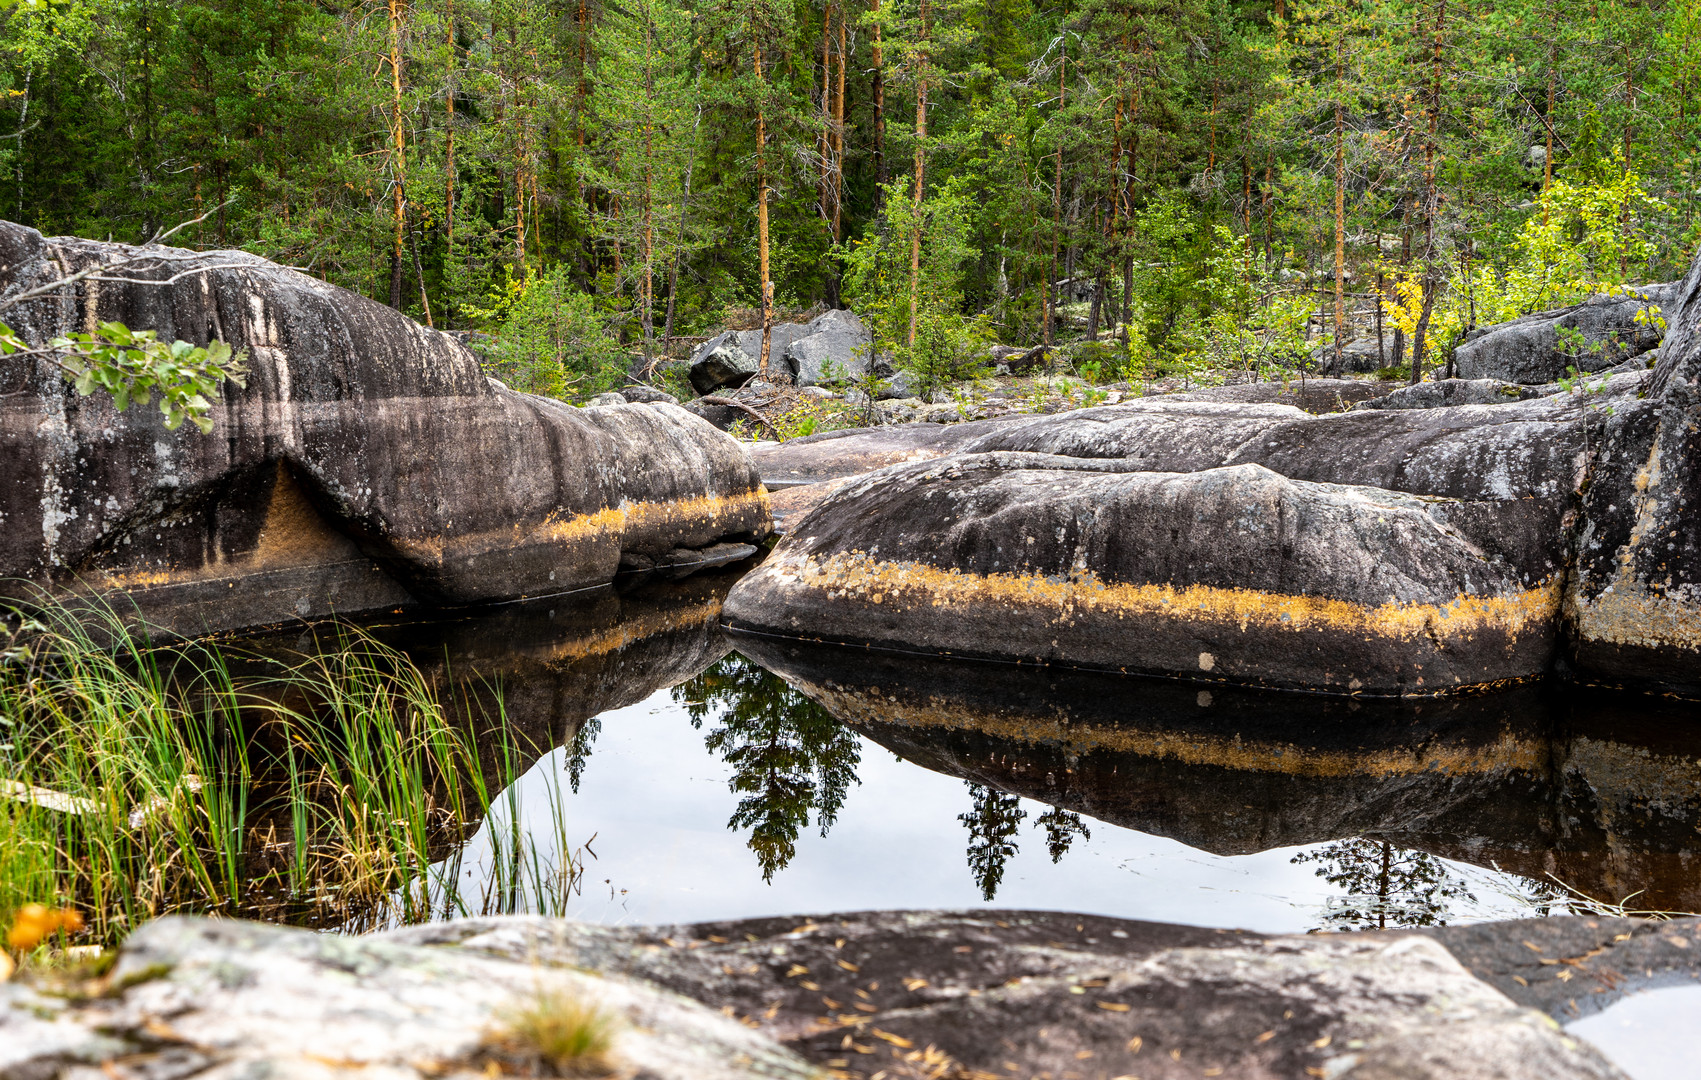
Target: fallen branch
715,399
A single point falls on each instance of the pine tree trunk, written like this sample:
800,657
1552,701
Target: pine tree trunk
398,161
1430,284
879,88
1056,205
449,162
1335,364
839,138
920,169
762,215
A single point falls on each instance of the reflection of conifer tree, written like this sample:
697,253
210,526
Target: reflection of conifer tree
993,823
1061,826
1384,885
579,750
788,754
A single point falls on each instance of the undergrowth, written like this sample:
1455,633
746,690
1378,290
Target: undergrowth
331,789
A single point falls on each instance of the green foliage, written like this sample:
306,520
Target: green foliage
877,283
134,365
1092,141
551,339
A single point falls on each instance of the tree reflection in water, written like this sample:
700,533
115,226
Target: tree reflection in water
788,755
1384,885
993,824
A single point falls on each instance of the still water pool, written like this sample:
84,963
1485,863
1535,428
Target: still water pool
684,773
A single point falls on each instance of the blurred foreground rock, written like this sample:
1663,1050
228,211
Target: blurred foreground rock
940,995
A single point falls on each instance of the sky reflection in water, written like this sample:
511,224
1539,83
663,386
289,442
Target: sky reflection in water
706,802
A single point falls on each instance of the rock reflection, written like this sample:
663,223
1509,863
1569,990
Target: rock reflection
1599,794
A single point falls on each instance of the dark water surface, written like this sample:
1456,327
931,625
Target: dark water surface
685,780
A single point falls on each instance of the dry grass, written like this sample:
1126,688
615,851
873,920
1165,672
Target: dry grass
555,1034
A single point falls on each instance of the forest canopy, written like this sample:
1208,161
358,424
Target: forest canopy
1203,176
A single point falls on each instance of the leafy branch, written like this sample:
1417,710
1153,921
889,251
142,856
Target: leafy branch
133,365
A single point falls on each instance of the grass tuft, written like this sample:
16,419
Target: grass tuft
555,1034
322,789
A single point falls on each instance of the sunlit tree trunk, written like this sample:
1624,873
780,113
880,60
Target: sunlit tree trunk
1430,275
1056,203
839,137
920,170
449,151
1340,205
762,214
398,160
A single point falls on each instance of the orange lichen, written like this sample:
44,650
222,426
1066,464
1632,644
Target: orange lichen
1063,599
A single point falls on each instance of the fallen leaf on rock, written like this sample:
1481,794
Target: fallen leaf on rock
1114,1006
895,1040
848,966
1324,1041
914,984
1266,1037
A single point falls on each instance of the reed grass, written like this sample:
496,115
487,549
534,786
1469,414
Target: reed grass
330,789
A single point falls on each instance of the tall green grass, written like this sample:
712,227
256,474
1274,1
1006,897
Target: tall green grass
332,788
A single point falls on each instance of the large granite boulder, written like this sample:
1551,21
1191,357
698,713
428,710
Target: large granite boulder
1634,596
1046,520
1529,349
369,463
1236,574
832,345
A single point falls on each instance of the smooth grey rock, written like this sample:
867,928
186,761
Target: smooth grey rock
1234,574
368,463
1528,349
897,386
642,394
725,365
837,338
256,1000
1448,392
610,398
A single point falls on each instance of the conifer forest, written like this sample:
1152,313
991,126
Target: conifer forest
1232,181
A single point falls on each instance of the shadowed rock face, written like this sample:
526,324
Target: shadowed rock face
369,463
1598,792
1635,598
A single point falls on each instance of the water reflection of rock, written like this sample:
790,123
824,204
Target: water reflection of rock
1602,794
